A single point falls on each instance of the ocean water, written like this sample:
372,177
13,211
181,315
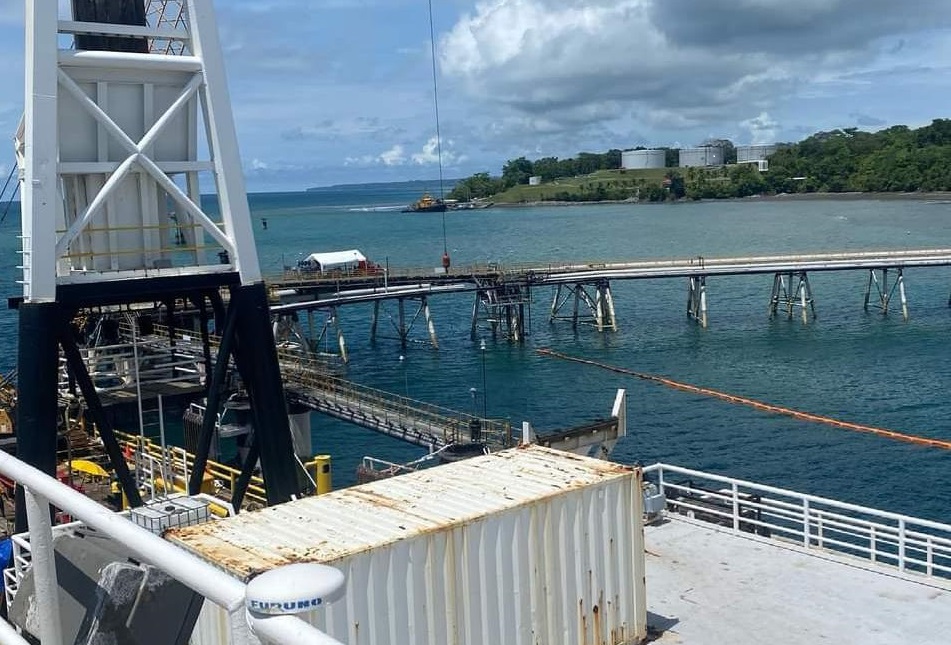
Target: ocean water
849,364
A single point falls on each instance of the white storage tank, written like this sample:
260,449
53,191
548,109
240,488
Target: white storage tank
524,546
702,156
754,153
639,159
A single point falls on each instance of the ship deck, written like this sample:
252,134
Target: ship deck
708,586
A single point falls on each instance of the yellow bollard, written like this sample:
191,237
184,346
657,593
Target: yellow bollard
323,474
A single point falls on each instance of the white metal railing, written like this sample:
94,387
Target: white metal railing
907,543
213,584
151,360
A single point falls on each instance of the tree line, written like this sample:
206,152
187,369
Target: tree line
896,159
518,171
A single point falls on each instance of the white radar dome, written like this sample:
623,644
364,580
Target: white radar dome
294,588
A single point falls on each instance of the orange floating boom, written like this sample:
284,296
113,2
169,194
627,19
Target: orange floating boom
759,405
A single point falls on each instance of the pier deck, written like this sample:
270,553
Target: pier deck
336,289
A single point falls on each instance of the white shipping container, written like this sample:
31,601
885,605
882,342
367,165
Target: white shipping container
525,546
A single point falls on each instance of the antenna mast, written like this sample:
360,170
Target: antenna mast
442,196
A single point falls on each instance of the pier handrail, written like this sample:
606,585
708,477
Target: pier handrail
444,424
909,544
521,270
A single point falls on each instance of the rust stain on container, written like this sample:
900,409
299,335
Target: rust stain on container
355,520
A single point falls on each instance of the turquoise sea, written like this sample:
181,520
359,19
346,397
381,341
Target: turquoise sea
849,364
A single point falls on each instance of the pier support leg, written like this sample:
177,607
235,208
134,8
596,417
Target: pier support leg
341,341
604,307
803,304
374,321
789,294
697,299
886,292
574,318
475,316
804,293
598,309
609,301
808,297
401,330
901,294
429,322
312,341
555,304
773,304
782,293
503,305
703,302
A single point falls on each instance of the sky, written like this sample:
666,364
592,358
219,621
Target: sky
341,91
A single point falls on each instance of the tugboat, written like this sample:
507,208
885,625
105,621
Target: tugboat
426,204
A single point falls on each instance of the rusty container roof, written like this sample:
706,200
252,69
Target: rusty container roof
353,520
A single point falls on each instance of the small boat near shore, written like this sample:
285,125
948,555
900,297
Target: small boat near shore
471,205
427,204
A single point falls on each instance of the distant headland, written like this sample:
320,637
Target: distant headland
421,184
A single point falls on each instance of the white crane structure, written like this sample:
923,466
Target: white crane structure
127,124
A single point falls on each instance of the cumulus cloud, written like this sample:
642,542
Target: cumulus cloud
393,157
685,62
762,129
430,154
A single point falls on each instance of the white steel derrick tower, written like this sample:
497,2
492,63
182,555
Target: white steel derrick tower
110,153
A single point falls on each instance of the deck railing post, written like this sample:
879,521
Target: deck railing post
734,491
44,567
901,544
805,523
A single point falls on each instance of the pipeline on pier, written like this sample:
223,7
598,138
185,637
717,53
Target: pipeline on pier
759,405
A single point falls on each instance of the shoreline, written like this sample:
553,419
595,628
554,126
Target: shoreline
939,196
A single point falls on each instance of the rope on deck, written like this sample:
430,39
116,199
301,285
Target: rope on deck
759,405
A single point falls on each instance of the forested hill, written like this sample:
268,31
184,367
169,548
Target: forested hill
897,159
